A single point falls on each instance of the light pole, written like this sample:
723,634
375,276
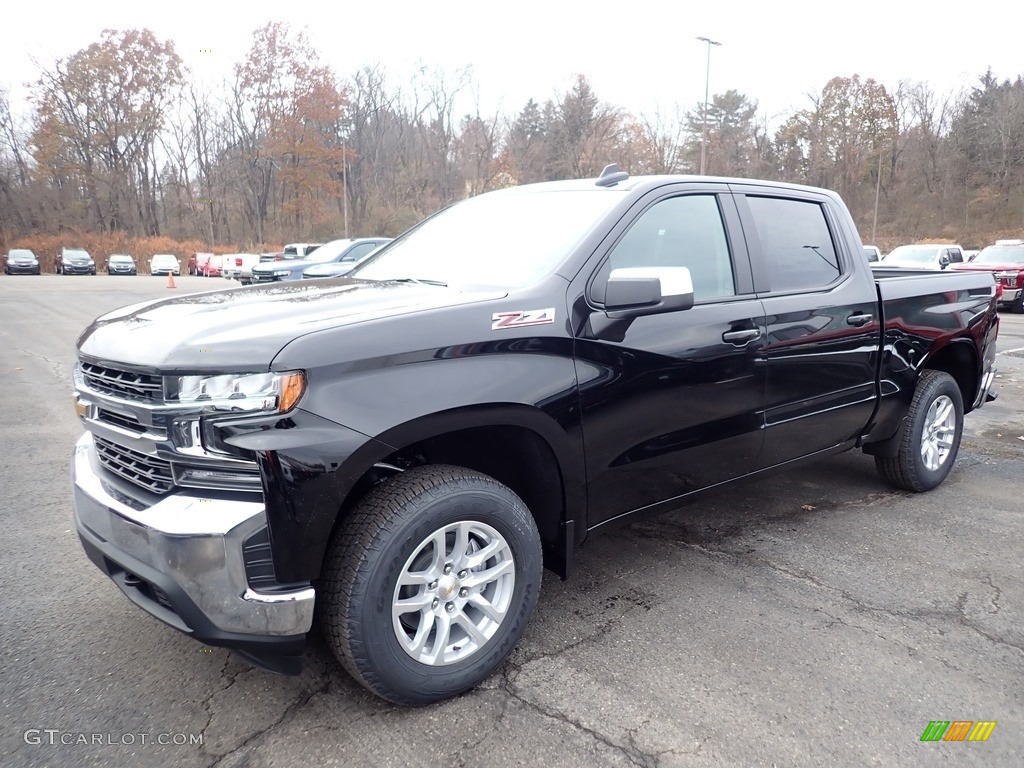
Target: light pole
344,182
707,83
878,188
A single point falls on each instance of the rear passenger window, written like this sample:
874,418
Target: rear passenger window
796,242
682,231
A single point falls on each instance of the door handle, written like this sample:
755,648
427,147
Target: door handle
741,336
858,320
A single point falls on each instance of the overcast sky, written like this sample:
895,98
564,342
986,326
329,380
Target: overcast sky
639,54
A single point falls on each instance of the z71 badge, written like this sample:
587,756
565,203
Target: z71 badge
500,320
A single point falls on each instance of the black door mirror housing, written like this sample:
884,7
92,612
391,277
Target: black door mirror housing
638,291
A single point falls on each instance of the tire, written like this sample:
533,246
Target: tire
390,533
1017,306
921,464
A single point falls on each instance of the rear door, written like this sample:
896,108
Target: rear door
823,321
671,403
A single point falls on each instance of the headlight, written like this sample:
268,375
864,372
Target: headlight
244,392
281,273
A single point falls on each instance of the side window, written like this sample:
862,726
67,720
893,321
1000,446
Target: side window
797,245
358,251
682,231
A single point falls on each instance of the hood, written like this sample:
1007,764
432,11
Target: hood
293,264
23,259
242,329
1007,266
331,268
933,265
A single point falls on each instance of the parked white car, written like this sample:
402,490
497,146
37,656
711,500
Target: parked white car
164,263
238,266
924,256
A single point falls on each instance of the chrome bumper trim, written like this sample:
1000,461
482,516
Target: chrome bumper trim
985,393
194,541
1010,295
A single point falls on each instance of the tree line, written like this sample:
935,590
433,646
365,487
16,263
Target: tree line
121,139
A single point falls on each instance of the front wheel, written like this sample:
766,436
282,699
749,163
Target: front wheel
430,583
931,435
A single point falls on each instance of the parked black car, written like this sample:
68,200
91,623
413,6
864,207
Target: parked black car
74,261
404,447
21,261
121,264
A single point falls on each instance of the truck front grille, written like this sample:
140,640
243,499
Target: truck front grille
145,471
121,420
139,386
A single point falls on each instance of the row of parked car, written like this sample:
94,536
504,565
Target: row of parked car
1004,259
296,261
78,261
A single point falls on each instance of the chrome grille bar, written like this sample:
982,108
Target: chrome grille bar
143,386
144,470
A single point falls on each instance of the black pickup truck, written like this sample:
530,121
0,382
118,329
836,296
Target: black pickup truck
406,447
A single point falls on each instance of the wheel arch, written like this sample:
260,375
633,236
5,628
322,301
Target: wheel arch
519,446
960,360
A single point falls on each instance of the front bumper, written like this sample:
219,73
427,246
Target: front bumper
182,561
78,269
22,269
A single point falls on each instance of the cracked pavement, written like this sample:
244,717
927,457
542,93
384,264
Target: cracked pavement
815,618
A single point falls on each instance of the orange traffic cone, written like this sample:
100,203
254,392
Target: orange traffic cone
170,280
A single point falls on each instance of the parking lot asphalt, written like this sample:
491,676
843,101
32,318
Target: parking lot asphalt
817,618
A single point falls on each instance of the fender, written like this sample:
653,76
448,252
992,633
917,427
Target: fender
310,466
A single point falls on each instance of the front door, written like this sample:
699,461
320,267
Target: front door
673,403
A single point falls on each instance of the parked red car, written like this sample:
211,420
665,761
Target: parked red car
211,267
197,261
1005,260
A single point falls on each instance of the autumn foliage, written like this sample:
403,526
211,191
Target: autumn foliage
125,151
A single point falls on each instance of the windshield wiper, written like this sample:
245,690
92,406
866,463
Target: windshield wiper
418,281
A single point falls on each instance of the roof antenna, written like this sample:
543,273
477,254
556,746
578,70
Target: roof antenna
611,175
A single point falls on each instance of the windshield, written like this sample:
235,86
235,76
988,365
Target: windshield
508,238
329,251
161,259
1000,254
116,259
915,254
76,255
22,253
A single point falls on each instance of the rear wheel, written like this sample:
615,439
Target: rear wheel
430,582
1018,305
931,435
